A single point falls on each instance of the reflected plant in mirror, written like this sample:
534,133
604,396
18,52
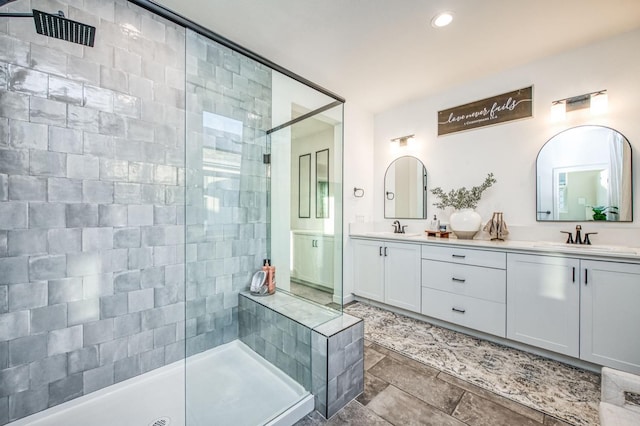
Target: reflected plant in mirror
405,189
584,174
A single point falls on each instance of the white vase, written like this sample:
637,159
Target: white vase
465,223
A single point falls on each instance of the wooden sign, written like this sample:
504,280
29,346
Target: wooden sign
497,109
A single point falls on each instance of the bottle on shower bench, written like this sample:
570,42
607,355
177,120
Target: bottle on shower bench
271,277
270,272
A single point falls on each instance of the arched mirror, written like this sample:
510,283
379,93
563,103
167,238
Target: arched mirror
405,189
583,174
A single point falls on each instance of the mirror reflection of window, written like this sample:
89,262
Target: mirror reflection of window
584,174
322,184
405,184
304,186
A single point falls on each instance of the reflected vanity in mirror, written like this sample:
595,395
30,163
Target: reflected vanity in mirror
304,186
322,184
584,174
405,189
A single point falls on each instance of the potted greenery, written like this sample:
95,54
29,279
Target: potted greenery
600,212
464,221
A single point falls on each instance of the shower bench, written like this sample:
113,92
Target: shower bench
320,348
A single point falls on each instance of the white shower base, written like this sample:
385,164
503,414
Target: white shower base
228,385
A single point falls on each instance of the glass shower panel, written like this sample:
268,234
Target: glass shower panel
307,248
291,99
228,108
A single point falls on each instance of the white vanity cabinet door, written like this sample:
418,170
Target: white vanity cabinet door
303,265
543,302
610,314
368,269
323,256
402,276
313,259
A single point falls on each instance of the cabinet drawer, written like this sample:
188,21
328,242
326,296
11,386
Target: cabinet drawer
482,315
473,281
490,259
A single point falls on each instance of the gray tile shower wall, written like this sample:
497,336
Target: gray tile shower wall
92,182
228,103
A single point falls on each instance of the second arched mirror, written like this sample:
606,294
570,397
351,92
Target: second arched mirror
584,174
405,189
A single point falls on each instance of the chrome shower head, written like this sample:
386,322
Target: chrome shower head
57,26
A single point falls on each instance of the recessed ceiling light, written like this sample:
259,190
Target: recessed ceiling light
442,19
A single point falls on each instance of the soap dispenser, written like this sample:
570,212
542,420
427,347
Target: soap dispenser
435,224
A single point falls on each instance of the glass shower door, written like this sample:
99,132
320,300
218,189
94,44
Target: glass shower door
306,203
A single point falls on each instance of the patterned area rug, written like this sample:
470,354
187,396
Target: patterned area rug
568,393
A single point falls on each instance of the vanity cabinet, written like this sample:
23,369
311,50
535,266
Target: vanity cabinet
388,272
610,314
465,287
586,309
543,302
564,303
312,259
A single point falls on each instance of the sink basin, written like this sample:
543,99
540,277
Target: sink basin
393,234
587,248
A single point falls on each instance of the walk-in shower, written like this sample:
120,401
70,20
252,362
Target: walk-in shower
136,203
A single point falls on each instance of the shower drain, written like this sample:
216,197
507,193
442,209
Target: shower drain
161,421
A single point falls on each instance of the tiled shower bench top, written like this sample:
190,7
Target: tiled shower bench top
320,348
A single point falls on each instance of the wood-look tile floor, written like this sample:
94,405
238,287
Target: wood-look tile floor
400,391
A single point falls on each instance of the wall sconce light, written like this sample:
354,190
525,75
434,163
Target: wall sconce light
597,102
558,111
403,140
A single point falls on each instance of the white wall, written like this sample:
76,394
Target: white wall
358,173
509,150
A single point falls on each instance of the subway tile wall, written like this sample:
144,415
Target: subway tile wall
93,240
91,220
228,110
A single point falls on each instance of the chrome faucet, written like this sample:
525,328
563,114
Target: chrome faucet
578,239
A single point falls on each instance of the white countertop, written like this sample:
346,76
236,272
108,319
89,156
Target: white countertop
547,247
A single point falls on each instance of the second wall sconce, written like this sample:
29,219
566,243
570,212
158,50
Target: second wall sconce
597,102
403,140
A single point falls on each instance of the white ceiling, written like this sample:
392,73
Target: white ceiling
381,53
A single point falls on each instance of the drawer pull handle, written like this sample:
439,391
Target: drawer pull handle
380,250
462,311
458,280
458,256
